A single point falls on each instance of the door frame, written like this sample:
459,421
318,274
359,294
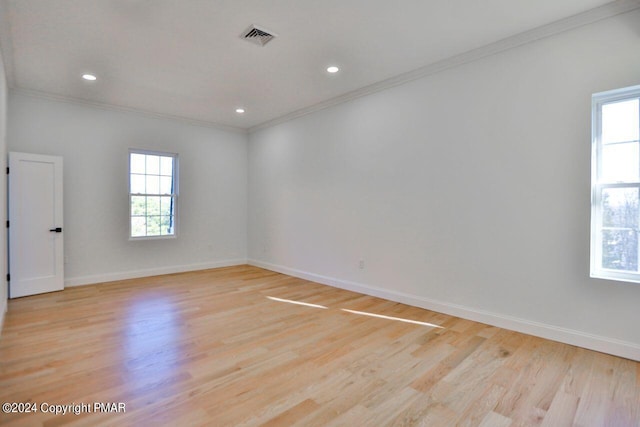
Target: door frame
13,217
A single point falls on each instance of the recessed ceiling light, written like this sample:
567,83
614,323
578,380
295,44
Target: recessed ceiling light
239,110
89,77
333,69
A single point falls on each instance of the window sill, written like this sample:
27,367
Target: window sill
135,239
616,276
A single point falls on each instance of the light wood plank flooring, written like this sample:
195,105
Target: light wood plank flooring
234,347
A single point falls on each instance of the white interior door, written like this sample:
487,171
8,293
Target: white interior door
36,259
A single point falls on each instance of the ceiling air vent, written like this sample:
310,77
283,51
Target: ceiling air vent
257,35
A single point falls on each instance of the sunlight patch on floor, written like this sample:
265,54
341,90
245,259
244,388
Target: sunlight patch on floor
297,302
363,313
399,319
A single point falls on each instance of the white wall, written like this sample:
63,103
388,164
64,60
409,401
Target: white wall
467,191
3,191
94,143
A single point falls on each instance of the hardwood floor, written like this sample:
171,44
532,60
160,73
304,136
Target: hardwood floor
235,346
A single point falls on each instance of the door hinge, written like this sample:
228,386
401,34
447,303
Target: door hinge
7,170
7,224
8,277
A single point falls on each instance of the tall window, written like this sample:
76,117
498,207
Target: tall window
153,193
615,185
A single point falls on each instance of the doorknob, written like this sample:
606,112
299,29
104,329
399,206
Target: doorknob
57,230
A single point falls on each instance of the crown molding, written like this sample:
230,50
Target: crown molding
122,109
608,10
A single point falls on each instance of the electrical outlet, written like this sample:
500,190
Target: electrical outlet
361,264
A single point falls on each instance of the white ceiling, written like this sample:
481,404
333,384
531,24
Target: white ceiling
184,58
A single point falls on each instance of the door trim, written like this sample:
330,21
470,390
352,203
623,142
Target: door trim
56,281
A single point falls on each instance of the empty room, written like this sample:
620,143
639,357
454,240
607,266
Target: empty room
319,213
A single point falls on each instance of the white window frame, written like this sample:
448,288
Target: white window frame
597,186
174,195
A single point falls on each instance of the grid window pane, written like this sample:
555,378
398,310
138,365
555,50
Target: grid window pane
153,226
620,121
166,185
137,163
166,225
138,226
620,250
166,166
138,206
620,162
137,184
153,165
153,184
166,206
153,205
620,207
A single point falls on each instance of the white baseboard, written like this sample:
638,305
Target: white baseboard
124,275
599,343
